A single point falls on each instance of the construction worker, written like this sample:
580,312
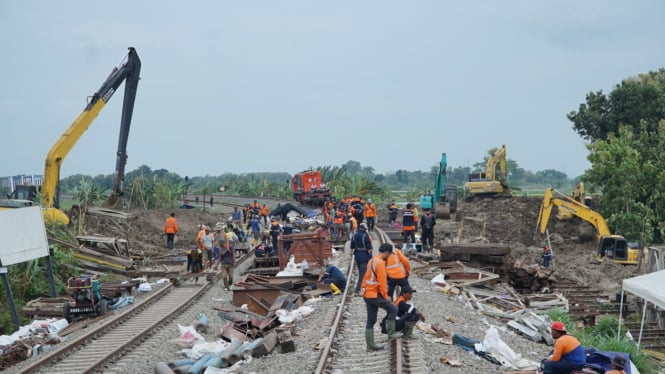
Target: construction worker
618,364
287,230
547,256
245,213
264,212
333,275
206,244
275,232
361,245
370,214
427,223
375,295
352,226
255,228
338,225
398,268
227,259
392,212
255,208
407,314
170,229
409,224
236,216
568,353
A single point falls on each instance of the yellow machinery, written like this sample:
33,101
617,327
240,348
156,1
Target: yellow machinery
489,182
579,196
612,247
127,72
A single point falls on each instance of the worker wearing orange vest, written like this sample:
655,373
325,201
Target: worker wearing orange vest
375,294
339,225
170,229
398,268
407,314
370,214
265,211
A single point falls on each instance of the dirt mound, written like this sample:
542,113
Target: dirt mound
144,230
513,221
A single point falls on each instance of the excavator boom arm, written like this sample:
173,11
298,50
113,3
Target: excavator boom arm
440,183
575,208
129,72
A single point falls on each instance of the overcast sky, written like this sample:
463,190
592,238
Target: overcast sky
252,86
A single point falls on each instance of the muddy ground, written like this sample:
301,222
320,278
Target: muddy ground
510,221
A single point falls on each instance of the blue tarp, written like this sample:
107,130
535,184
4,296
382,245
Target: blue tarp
603,359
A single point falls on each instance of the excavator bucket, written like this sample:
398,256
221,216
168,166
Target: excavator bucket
442,211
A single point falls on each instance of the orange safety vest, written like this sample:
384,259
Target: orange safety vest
375,281
354,222
265,210
370,210
339,218
398,265
171,226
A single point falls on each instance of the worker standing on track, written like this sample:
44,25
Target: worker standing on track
287,230
275,231
568,353
375,294
227,259
265,211
392,212
170,229
370,214
409,224
361,245
398,268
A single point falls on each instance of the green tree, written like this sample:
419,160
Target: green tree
635,102
629,177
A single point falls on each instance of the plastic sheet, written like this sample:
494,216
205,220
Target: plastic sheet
492,344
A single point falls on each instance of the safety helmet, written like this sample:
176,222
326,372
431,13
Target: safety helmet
558,326
363,226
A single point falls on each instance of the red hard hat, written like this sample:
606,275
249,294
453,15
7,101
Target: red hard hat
556,325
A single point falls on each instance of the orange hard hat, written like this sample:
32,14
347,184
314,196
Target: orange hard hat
558,326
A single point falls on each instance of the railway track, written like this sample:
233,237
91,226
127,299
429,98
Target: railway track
346,351
93,351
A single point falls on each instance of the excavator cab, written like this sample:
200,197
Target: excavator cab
617,249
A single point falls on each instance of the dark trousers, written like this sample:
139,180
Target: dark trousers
169,240
370,223
392,282
373,306
362,268
428,237
411,234
286,245
546,260
562,366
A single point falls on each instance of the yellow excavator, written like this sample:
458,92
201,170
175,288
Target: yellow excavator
489,182
127,72
578,195
610,247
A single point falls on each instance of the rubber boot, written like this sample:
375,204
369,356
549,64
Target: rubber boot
392,335
408,331
369,339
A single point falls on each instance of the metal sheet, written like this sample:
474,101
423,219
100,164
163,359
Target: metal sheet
23,235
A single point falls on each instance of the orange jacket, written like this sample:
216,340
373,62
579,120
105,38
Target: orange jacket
398,265
370,210
171,226
354,223
399,300
339,217
265,210
375,281
563,345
